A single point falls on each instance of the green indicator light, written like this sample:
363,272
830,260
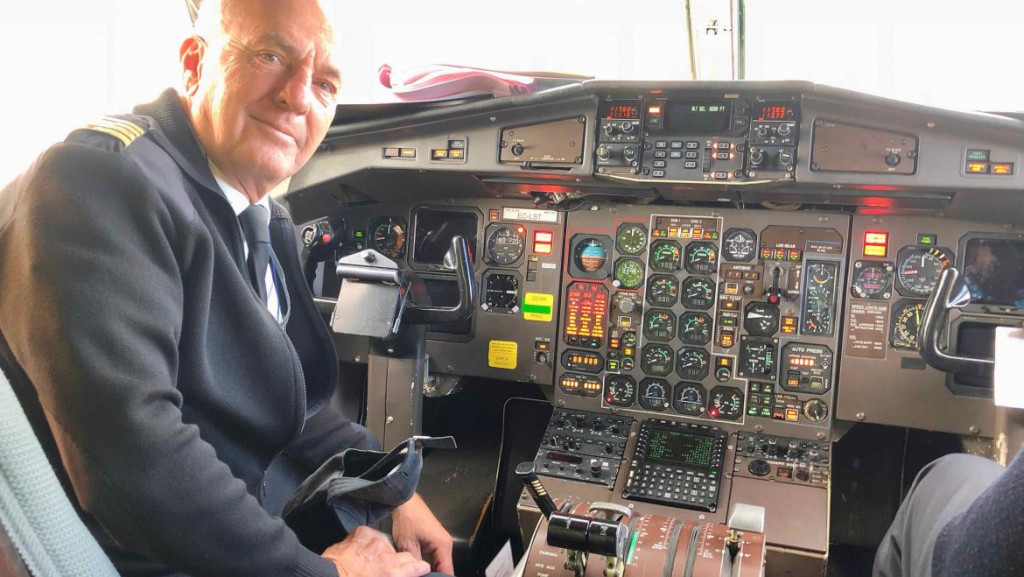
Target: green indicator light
537,309
359,234
632,546
925,239
977,155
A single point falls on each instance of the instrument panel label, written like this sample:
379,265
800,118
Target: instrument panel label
502,354
868,329
538,307
529,214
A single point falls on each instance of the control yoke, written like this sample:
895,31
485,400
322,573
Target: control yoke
951,292
377,295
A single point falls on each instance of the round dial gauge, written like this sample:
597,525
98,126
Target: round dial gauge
698,293
695,328
726,403
906,320
692,363
629,273
506,244
656,360
629,339
501,293
739,244
872,280
631,238
619,390
663,290
387,236
590,255
761,319
918,268
701,258
659,325
653,394
689,399
665,255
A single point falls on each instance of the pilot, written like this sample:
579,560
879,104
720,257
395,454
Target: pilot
153,298
964,515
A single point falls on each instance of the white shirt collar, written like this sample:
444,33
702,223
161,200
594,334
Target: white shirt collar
238,200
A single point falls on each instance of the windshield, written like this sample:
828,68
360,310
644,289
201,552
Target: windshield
72,61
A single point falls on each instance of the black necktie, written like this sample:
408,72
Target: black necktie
256,226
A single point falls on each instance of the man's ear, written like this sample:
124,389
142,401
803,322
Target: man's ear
190,55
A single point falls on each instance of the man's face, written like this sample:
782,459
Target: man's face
263,94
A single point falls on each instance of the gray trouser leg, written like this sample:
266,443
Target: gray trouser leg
941,491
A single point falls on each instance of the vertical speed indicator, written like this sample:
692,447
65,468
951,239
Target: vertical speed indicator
631,238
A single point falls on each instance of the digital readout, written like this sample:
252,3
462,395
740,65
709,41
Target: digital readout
587,305
679,448
623,112
776,112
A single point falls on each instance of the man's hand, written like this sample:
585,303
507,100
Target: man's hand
367,553
416,531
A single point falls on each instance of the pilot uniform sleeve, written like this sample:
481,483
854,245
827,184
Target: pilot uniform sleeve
92,305
326,434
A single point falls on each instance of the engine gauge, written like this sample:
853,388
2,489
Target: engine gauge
819,304
692,363
761,319
701,258
663,290
619,390
918,268
695,328
906,320
653,394
506,244
659,325
388,236
656,360
629,273
689,399
665,255
872,280
631,238
739,244
590,255
698,293
726,403
501,293
629,339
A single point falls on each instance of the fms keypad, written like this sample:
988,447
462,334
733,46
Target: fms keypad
677,464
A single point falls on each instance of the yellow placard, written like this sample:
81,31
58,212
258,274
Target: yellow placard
502,354
538,307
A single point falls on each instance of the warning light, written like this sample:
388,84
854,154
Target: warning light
713,412
876,243
977,167
521,229
542,240
654,109
1002,168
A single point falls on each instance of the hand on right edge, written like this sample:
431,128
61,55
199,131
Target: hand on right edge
367,553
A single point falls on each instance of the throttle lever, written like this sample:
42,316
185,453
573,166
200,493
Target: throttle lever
950,293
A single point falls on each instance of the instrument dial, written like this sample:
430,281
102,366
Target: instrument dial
656,360
619,390
689,399
692,363
665,255
820,301
631,238
590,255
663,290
387,236
701,258
872,280
698,293
506,244
726,403
695,328
653,394
761,319
629,339
906,320
629,273
740,244
659,325
918,268
501,293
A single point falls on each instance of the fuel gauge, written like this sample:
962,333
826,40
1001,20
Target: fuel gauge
619,390
726,403
653,394
689,399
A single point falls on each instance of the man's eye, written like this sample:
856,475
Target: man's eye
327,87
269,57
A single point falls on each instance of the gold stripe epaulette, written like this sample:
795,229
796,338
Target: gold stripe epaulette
124,130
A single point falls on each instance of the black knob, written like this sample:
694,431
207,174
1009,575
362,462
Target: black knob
893,159
629,153
580,419
609,129
608,447
784,129
803,475
517,149
756,158
785,158
614,428
762,131
626,126
815,410
595,467
759,468
598,424
603,152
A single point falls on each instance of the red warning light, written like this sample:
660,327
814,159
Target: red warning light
542,240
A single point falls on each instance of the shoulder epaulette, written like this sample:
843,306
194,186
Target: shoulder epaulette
126,129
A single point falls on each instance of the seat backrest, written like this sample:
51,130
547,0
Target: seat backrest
35,514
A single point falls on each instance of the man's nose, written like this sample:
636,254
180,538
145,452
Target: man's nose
297,92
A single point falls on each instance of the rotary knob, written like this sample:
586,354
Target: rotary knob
785,158
756,157
815,410
629,153
517,149
626,126
603,152
784,129
758,468
893,159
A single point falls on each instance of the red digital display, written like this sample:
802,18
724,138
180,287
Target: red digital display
586,309
776,112
623,112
